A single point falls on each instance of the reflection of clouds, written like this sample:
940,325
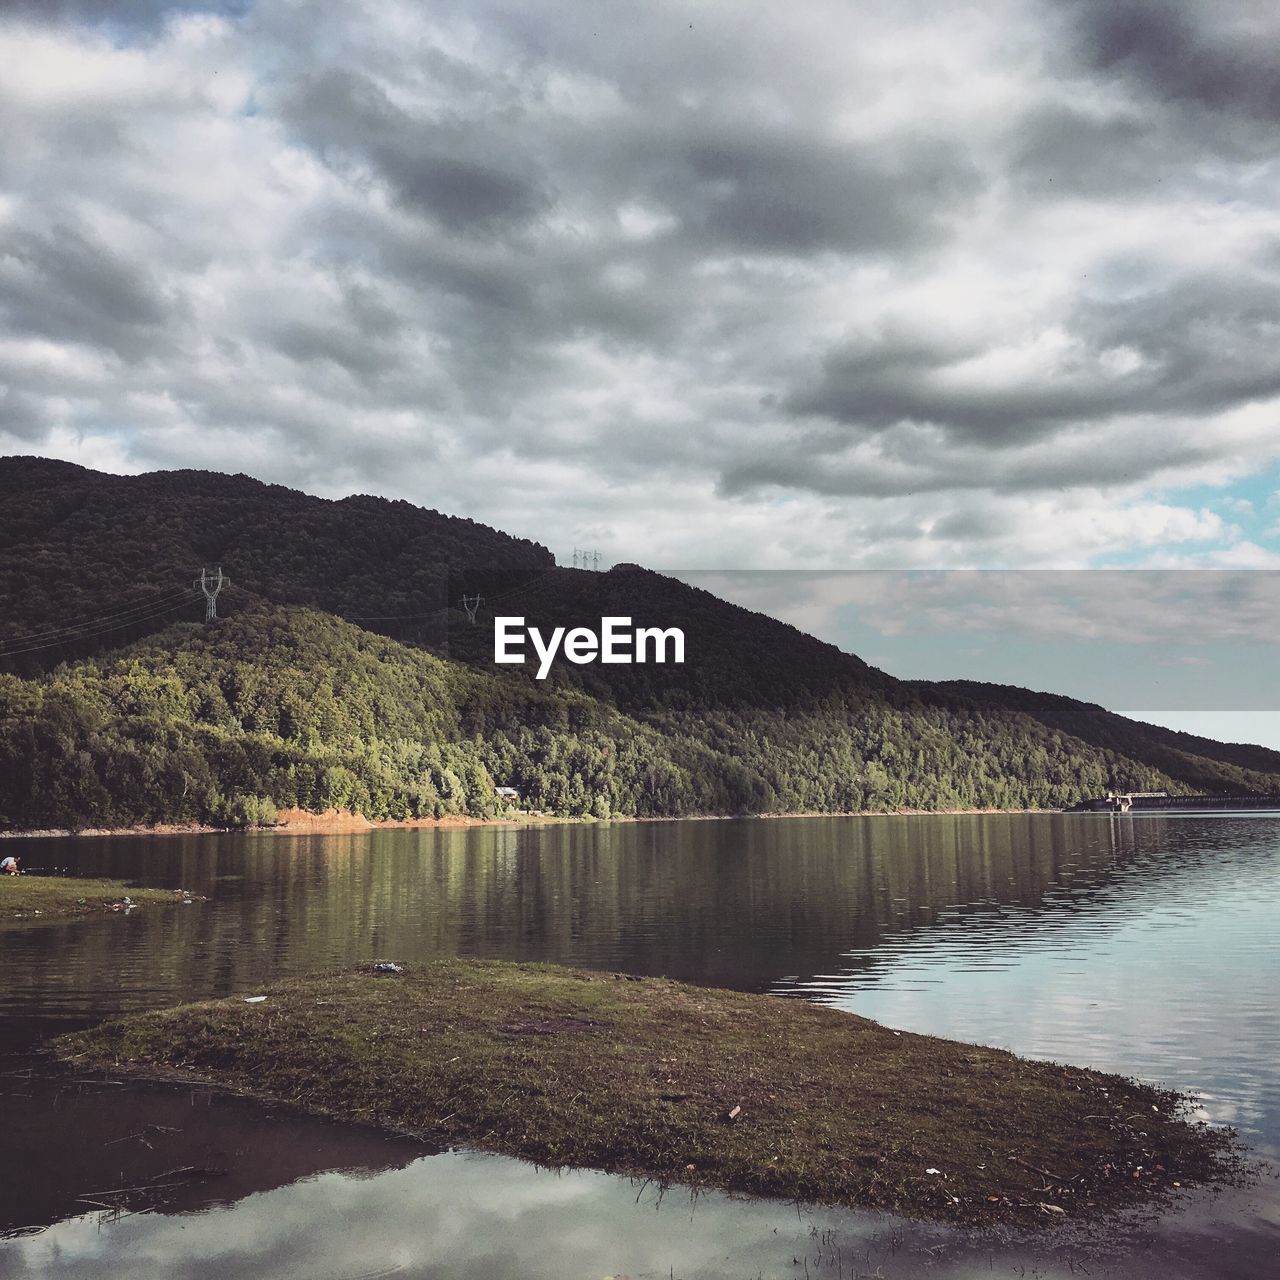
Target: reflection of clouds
469,1218
455,1215
1169,972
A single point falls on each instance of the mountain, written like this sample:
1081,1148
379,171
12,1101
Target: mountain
89,561
345,674
282,707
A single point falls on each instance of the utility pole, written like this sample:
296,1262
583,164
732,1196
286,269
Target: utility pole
471,604
210,583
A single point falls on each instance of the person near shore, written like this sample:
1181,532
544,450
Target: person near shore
10,866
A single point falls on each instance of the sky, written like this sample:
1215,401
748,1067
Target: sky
736,285
1193,650
725,285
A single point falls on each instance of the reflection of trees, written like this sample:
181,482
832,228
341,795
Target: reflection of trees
69,1139
1127,868
740,903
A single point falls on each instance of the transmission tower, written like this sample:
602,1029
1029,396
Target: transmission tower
210,583
471,604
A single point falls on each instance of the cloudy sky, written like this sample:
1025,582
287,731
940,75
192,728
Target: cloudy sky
1191,650
732,285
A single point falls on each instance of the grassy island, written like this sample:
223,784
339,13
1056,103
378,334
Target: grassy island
682,1084
27,896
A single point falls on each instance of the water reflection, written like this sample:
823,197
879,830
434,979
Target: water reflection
733,903
1138,944
483,1218
91,1146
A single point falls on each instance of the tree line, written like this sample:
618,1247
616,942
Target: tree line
281,708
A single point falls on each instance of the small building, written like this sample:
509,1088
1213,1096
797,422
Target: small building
509,794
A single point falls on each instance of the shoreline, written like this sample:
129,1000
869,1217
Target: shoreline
60,897
299,822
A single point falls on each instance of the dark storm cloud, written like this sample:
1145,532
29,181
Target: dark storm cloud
305,343
63,283
457,171
789,194
1218,57
360,333
1061,150
1207,343
822,465
25,415
1197,346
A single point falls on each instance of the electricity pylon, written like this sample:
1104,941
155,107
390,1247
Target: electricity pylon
210,584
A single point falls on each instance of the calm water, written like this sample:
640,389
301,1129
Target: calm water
1145,945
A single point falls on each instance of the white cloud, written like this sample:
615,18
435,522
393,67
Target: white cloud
785,288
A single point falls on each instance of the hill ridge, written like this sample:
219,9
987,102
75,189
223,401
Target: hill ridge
326,685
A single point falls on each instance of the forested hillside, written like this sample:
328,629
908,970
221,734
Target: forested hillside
90,561
1205,765
284,707
277,704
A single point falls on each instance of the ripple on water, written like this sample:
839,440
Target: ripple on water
1139,946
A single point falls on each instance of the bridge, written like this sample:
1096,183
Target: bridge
1162,802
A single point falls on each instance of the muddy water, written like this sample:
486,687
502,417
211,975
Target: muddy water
1139,944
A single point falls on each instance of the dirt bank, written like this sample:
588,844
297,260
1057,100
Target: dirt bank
336,821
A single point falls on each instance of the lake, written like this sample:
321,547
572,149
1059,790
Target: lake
1140,944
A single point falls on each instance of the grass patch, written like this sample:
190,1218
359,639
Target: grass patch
641,1076
25,896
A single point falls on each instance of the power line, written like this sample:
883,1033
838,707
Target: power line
445,608
102,631
210,584
392,617
72,629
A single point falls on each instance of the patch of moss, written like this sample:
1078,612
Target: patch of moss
22,897
643,1076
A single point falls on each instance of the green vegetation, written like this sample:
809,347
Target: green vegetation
684,1084
1203,764
290,708
278,705
23,896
